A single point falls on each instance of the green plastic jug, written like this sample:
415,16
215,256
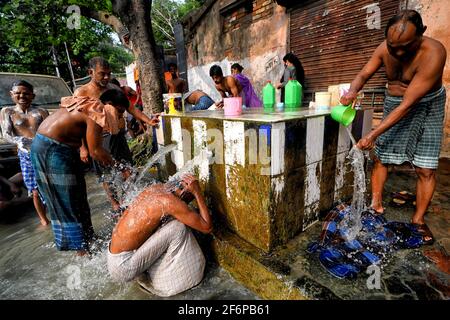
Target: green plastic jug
293,94
269,96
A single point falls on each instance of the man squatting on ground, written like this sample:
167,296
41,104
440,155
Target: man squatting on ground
153,242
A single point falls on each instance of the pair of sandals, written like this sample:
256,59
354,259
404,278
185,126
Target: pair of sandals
403,198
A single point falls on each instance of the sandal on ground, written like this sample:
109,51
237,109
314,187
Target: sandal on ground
425,231
402,198
404,195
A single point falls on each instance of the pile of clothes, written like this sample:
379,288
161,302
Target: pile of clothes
345,258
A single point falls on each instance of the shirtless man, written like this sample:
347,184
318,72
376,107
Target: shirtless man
225,85
114,139
19,125
166,253
198,99
55,158
175,84
412,124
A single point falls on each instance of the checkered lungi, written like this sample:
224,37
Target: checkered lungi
60,180
417,137
171,258
29,178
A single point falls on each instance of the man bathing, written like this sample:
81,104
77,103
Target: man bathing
165,253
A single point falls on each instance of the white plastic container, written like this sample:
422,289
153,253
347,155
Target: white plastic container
323,100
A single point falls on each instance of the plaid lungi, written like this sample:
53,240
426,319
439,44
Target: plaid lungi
417,137
60,180
26,167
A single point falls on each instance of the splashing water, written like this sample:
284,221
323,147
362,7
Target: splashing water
188,168
134,185
351,224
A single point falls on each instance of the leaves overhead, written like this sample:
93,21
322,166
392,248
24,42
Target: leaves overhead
30,29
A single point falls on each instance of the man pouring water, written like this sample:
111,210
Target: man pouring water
414,107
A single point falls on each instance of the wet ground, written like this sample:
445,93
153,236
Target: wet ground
405,274
32,268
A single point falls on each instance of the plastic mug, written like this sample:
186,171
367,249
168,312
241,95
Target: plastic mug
343,114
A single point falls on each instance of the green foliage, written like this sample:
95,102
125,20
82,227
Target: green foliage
30,29
166,14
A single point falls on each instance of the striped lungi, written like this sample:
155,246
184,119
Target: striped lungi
417,137
60,180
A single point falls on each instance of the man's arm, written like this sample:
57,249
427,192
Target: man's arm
8,129
139,115
232,84
374,63
94,143
422,82
180,210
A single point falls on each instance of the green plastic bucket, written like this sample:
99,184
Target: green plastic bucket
343,114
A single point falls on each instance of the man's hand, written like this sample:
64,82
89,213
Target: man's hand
348,98
84,154
154,121
219,104
190,184
366,143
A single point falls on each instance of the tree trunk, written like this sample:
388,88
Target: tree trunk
135,15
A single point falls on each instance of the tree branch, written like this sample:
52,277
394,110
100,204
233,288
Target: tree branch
105,18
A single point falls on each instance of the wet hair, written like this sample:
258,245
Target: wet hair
215,70
175,185
172,65
98,61
115,81
407,16
23,83
300,72
237,66
116,97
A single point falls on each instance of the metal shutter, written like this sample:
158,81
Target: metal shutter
333,42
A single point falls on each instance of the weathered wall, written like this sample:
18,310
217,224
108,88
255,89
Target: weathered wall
255,37
436,16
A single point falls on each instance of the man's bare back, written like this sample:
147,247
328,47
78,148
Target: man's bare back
144,215
195,96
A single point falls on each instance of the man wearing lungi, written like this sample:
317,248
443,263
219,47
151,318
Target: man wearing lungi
19,125
152,241
412,124
56,161
114,137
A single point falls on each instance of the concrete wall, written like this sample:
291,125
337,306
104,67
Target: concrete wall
436,16
256,39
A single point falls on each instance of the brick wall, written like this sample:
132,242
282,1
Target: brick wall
247,14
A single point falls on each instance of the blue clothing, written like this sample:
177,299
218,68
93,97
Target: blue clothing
29,178
203,103
60,180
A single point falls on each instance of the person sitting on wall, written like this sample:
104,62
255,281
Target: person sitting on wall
198,99
175,84
226,85
152,241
